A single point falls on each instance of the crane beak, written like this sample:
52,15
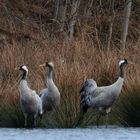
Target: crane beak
42,65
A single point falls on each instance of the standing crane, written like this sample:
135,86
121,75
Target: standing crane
50,96
101,98
30,101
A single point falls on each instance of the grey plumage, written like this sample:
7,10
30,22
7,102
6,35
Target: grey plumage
30,101
102,98
88,87
50,96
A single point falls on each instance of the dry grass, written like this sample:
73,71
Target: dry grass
74,62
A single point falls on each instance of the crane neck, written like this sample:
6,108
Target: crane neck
121,71
24,75
50,73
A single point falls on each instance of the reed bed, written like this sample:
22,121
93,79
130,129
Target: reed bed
74,62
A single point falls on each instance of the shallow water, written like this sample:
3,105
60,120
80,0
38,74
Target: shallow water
111,133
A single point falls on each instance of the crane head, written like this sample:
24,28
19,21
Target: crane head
23,68
123,62
47,64
50,64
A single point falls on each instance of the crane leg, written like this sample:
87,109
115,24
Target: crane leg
106,120
98,118
34,121
25,121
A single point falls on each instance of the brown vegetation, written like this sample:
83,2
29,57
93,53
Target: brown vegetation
74,62
25,41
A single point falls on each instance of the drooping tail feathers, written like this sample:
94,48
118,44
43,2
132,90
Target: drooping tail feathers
88,87
84,105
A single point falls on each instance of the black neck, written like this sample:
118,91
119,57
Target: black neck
24,75
122,71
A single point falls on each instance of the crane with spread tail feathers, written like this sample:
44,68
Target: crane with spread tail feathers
101,98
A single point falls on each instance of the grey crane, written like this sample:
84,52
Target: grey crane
30,101
101,98
50,96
